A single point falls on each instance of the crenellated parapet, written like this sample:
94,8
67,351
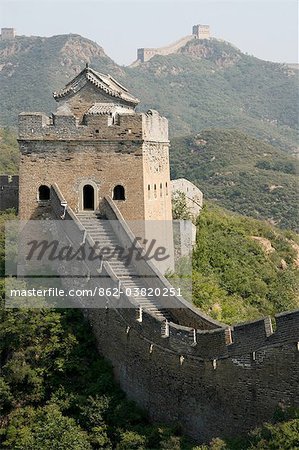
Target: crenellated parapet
116,126
9,180
145,54
155,127
246,339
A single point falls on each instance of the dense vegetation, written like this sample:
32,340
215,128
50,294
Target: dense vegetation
9,152
243,268
241,173
57,392
209,83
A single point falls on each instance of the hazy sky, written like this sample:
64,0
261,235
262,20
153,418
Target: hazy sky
267,29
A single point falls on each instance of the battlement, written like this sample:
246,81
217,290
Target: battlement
155,127
218,343
128,126
206,339
9,180
145,54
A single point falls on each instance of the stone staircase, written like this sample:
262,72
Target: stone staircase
101,231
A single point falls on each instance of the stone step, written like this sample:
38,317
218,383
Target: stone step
103,233
97,227
125,270
105,242
119,263
98,223
133,279
103,237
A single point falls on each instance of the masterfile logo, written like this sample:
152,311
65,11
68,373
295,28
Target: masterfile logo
52,263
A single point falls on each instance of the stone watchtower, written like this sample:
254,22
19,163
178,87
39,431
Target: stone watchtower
7,34
201,31
94,146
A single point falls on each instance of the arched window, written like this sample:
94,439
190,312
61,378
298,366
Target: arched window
43,193
88,197
119,193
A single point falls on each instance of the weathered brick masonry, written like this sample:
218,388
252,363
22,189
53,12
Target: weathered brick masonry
9,192
208,386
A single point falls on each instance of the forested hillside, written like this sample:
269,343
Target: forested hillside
213,84
207,84
9,152
241,173
243,268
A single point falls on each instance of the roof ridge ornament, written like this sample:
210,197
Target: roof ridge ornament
105,83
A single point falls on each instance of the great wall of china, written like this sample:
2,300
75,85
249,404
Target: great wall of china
198,32
178,364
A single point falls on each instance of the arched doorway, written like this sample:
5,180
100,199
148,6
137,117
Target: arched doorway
88,197
119,192
43,193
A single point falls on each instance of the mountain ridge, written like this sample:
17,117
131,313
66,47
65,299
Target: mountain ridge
240,173
207,83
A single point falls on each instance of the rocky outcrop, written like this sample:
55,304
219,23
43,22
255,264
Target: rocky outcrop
221,53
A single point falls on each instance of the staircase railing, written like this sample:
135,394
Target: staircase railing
77,233
183,311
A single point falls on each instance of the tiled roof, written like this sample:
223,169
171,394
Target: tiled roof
109,108
105,83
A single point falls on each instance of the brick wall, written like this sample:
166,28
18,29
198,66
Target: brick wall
73,164
60,150
9,192
209,388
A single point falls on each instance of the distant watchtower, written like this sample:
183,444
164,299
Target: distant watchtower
95,145
201,31
8,34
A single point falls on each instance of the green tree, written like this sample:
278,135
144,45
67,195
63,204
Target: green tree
180,210
131,440
44,428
